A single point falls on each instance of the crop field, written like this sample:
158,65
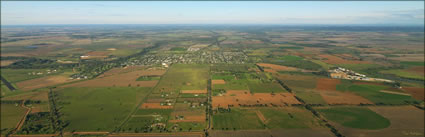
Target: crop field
183,77
405,121
310,97
300,82
128,79
237,98
327,84
417,93
277,67
43,82
356,117
237,119
143,119
414,73
11,114
288,118
85,108
374,94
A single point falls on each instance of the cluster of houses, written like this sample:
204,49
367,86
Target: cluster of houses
41,73
343,73
197,57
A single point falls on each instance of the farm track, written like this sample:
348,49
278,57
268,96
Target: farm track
21,122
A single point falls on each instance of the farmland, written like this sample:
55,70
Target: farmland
85,109
217,81
362,118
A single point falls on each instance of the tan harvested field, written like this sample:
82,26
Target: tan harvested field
218,82
244,97
408,57
97,53
41,96
270,70
406,121
417,93
393,92
337,98
6,62
35,108
331,59
327,84
201,91
277,67
43,82
154,106
119,80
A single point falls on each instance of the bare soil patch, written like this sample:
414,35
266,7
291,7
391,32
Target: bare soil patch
417,93
201,91
277,67
270,70
42,82
6,62
237,98
218,82
327,84
418,70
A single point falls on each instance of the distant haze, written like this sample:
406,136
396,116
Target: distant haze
190,12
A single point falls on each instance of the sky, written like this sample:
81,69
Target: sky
212,12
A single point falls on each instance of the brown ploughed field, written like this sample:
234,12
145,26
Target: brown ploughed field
244,97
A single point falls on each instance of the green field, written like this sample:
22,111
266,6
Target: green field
223,76
412,63
291,58
148,78
258,87
10,116
356,117
238,119
288,118
372,93
404,74
183,77
17,75
85,108
144,118
310,97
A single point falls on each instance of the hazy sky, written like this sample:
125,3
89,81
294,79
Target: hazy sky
190,12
